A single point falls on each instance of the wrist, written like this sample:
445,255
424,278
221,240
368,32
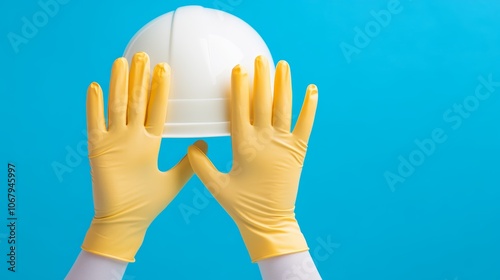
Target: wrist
270,240
117,239
291,266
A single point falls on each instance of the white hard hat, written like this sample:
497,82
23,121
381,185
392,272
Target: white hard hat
201,46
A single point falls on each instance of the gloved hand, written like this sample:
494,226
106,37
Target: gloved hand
129,191
259,192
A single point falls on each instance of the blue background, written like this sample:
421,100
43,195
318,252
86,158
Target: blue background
442,222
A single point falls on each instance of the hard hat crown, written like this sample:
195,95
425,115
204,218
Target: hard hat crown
201,46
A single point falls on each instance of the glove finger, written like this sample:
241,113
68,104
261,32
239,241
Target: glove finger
240,105
262,93
138,89
157,105
282,104
95,109
206,171
306,118
180,174
118,88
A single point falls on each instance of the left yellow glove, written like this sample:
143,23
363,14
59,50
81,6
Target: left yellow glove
129,191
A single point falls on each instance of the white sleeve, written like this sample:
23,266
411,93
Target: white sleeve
292,266
90,266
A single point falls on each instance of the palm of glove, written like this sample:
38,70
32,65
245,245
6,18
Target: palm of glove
266,174
128,171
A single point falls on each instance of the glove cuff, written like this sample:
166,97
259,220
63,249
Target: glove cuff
264,242
117,240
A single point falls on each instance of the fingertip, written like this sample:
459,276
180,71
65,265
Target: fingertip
196,157
121,61
140,62
312,90
239,70
94,88
193,151
141,56
94,85
261,70
261,61
162,69
283,64
282,72
201,145
262,64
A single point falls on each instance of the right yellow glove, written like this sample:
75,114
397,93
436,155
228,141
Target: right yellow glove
259,192
128,189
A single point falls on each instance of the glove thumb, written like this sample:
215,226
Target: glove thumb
180,174
206,171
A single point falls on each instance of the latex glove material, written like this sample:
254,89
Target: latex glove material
128,189
259,192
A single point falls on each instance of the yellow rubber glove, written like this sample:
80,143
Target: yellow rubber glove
259,192
129,191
